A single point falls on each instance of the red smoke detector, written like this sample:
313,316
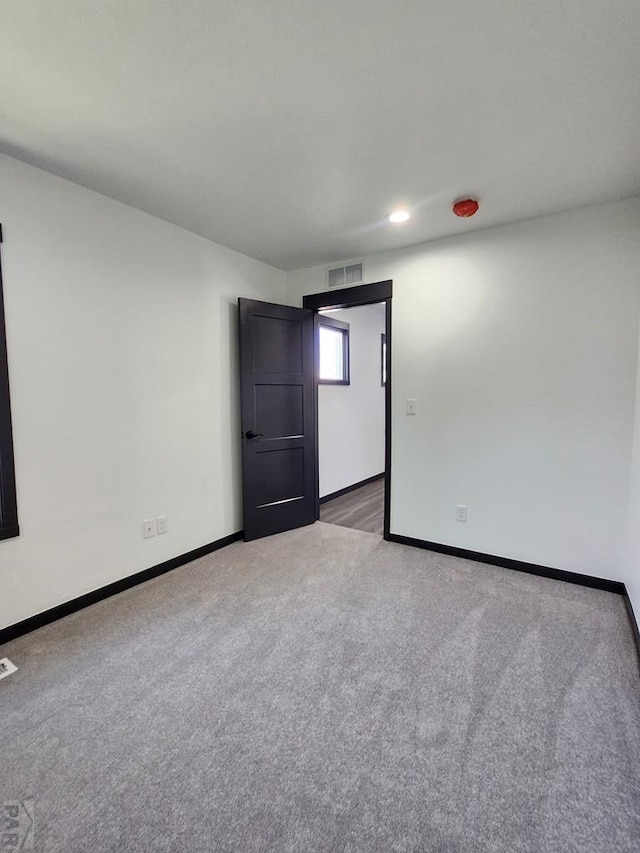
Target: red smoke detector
466,208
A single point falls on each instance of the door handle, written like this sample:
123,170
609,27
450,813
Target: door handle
251,434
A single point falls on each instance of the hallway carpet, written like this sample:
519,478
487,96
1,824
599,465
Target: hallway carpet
324,690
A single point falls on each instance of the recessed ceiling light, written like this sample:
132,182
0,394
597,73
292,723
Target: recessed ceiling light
399,215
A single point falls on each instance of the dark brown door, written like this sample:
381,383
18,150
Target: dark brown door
278,431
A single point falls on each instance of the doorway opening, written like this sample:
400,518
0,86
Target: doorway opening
353,406
351,416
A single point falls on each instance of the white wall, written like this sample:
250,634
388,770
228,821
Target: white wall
122,360
520,344
351,417
633,527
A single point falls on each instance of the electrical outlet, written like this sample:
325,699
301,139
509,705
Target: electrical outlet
6,667
149,528
162,524
411,407
461,513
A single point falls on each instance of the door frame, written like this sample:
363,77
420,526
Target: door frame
352,297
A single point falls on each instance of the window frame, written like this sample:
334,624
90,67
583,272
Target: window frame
8,501
339,325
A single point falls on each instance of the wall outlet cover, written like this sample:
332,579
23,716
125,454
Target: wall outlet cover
149,528
6,667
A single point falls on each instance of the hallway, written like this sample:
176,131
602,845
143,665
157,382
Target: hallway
361,509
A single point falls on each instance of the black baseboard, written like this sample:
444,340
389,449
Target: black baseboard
41,619
352,488
517,565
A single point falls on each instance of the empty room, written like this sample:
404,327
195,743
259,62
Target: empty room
320,427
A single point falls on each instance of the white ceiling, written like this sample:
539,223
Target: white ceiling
286,129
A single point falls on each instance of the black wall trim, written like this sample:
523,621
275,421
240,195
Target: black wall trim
9,532
352,488
349,297
634,623
517,565
41,619
387,421
8,500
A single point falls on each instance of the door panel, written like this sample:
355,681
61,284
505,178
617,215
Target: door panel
278,427
279,409
278,344
280,476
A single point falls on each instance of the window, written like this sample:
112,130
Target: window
383,360
333,349
8,508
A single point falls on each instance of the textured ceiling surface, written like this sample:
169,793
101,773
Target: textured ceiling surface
287,130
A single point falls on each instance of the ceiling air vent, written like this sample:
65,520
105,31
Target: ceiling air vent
347,275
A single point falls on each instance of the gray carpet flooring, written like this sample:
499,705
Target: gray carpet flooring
323,690
361,509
